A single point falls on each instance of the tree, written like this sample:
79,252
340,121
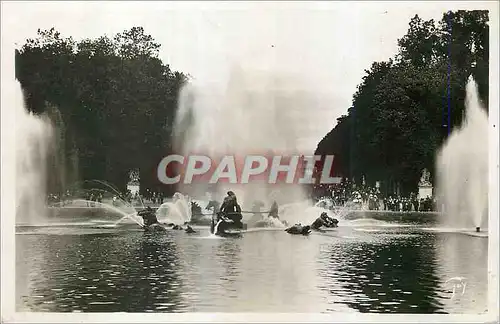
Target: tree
115,96
419,45
405,108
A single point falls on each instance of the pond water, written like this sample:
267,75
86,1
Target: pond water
363,266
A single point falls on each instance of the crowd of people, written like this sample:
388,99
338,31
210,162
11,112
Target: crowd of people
57,198
149,197
95,195
348,194
411,203
154,197
65,198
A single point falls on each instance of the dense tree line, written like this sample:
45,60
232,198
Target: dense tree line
113,101
405,107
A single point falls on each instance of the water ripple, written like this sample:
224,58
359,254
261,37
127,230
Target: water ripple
396,269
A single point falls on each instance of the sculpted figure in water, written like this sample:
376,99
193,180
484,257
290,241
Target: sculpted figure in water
324,220
229,216
190,230
214,205
231,209
274,210
299,229
149,216
151,223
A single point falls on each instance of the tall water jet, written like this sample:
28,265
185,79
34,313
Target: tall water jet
254,113
62,167
34,135
462,168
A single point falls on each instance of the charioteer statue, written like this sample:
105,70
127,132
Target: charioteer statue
231,209
228,217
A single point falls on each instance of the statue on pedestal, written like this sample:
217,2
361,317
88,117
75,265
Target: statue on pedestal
425,179
134,183
134,176
425,190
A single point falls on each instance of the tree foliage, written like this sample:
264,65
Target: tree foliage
405,107
116,99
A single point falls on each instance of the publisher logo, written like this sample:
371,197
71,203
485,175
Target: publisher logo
294,169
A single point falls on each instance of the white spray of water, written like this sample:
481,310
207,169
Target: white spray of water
177,211
462,168
34,136
255,113
216,227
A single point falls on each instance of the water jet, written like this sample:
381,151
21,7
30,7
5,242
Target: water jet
462,168
177,211
254,112
34,138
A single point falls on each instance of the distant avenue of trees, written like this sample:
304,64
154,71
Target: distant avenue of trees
405,107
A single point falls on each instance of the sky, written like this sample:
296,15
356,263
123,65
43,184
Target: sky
328,45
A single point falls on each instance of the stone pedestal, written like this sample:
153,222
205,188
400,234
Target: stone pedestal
424,192
134,184
133,187
425,186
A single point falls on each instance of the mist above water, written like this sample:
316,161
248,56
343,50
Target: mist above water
254,112
462,168
34,136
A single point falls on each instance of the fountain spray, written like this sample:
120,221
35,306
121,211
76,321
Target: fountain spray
462,168
34,138
253,113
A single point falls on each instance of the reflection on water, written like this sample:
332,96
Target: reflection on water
393,275
465,257
371,269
